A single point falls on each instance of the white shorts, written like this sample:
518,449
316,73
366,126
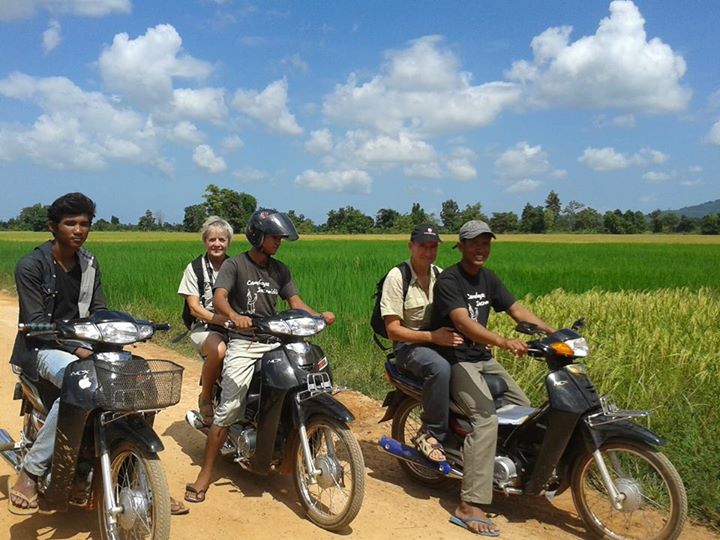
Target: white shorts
199,335
237,373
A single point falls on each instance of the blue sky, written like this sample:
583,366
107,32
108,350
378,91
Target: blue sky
316,105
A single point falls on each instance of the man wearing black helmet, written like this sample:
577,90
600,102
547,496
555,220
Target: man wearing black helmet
248,284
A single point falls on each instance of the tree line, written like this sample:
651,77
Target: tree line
551,217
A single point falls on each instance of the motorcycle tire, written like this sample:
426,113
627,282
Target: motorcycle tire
335,498
655,504
405,425
140,487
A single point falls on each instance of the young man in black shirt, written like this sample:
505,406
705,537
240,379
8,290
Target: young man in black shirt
463,296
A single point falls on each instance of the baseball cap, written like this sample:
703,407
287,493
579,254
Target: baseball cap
424,233
474,228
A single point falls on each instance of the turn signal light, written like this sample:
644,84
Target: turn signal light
561,348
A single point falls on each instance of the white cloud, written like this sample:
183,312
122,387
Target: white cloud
206,104
523,186
205,158
24,9
248,174
76,129
608,159
626,121
656,177
187,132
400,149
692,183
51,36
295,63
521,161
143,69
320,141
461,169
231,143
353,181
616,67
713,137
696,169
419,88
424,170
269,107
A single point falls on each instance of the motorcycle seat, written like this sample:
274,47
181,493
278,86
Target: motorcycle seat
42,393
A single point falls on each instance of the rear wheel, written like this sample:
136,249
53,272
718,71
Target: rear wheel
333,498
654,505
140,488
406,423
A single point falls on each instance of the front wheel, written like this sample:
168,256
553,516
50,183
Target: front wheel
332,498
654,505
140,488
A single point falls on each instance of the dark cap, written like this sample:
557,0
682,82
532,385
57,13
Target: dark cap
424,233
474,228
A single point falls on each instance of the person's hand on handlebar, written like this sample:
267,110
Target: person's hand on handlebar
516,347
241,321
329,317
82,353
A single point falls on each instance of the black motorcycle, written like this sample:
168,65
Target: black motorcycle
105,453
622,486
293,424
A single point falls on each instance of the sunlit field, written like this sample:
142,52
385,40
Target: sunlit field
651,302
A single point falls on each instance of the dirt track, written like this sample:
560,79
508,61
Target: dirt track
240,505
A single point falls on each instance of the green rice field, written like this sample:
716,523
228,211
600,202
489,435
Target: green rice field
652,306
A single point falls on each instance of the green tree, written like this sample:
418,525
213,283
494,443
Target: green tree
386,219
614,222
450,216
471,212
532,219
686,224
552,210
710,224
195,215
32,218
504,222
235,207
348,220
588,219
302,224
147,222
418,215
566,221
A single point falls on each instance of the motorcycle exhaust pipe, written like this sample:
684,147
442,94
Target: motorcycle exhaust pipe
411,455
8,449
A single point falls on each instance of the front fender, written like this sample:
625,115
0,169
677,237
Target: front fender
136,429
595,436
327,405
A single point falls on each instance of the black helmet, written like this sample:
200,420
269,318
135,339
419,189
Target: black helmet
269,221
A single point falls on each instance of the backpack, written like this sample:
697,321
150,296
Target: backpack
187,316
377,323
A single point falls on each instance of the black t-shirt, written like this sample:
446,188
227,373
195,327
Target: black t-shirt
68,291
254,289
455,289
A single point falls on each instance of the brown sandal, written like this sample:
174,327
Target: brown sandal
193,494
426,448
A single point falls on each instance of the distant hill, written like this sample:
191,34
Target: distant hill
699,210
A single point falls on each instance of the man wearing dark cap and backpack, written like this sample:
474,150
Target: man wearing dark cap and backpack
463,296
405,306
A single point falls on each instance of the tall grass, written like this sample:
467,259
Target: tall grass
652,313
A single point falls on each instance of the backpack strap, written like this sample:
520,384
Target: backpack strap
197,266
406,273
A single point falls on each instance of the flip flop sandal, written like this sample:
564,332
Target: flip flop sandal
426,448
19,510
177,508
460,522
194,495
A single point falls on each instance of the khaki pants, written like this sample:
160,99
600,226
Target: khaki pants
470,392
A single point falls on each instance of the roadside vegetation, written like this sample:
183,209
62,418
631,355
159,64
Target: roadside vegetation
652,311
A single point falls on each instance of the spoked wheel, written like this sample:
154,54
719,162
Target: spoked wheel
654,505
333,498
406,423
140,488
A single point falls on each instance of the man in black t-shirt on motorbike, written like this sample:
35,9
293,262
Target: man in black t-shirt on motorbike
463,296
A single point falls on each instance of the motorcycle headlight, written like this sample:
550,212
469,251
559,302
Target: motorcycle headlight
87,331
119,332
579,347
303,326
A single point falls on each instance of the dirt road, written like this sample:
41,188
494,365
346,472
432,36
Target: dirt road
240,505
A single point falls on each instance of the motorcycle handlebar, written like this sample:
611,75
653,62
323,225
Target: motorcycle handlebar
161,327
36,327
